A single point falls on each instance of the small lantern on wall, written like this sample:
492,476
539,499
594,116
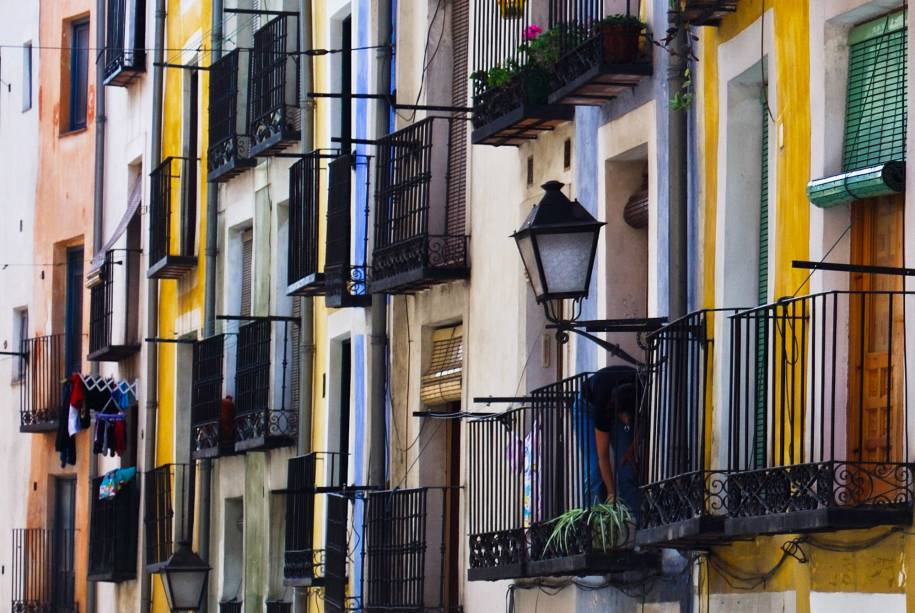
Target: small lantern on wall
184,577
511,9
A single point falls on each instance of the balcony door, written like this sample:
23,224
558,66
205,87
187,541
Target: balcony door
62,575
74,314
875,399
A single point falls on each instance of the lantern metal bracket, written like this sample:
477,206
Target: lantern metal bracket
585,328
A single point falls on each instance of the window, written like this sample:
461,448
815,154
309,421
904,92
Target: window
79,74
247,249
26,76
20,333
189,180
441,383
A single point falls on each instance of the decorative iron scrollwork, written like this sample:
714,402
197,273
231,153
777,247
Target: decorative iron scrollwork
682,498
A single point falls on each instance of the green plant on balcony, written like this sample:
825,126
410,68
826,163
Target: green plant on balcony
610,524
619,36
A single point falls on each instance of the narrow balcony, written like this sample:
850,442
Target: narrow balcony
419,240
683,497
532,482
817,415
265,411
43,571
41,399
278,606
304,279
229,150
231,606
164,511
125,42
708,12
173,229
345,283
114,302
113,532
273,113
212,415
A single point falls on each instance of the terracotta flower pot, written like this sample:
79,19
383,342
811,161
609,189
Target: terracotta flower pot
620,43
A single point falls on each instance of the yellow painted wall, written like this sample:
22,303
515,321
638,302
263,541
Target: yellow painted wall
188,24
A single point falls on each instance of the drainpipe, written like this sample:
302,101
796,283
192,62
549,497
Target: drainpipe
98,204
152,292
379,333
677,185
209,308
307,306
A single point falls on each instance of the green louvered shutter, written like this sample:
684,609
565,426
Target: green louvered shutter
763,289
875,119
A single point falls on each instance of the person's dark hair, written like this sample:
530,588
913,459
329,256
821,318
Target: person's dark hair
624,398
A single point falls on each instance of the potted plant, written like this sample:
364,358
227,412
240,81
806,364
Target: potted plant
610,524
511,9
619,36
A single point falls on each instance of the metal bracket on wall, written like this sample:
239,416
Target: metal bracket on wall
859,268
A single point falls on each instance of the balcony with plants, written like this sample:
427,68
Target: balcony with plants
538,506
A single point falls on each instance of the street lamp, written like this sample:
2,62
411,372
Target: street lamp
558,243
184,576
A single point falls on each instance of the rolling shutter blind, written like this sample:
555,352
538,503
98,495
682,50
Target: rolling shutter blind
247,254
875,119
441,383
763,289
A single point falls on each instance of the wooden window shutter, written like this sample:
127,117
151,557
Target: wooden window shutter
441,383
457,149
247,254
875,117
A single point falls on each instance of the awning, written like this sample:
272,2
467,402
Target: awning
133,205
883,180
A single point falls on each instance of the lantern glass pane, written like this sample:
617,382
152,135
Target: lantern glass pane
566,259
529,257
183,588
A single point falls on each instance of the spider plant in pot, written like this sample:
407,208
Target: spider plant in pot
609,526
619,36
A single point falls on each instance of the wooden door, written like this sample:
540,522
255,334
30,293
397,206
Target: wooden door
875,375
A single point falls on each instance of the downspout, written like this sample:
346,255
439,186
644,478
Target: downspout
379,333
98,204
677,180
209,309
152,292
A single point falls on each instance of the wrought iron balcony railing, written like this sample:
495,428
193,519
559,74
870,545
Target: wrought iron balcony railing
304,194
172,230
345,283
683,497
41,399
527,468
114,286
231,606
273,114
708,12
165,511
43,571
817,417
212,416
229,150
113,533
125,41
417,242
278,606
265,414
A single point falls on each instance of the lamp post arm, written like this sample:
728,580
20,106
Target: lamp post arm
562,333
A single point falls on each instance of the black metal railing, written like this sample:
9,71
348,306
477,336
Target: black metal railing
104,346
336,553
125,41
273,116
43,571
529,466
307,476
278,606
113,532
707,12
165,510
264,415
406,541
345,284
412,247
681,484
816,423
228,153
170,254
304,193
231,606
213,431
42,389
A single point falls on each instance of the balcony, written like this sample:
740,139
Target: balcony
43,571
683,499
113,286
164,512
212,421
419,222
113,533
41,391
708,12
273,114
308,477
172,230
231,606
304,195
228,154
265,414
345,283
816,421
278,606
528,468
125,42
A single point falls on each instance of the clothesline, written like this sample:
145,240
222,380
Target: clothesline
98,383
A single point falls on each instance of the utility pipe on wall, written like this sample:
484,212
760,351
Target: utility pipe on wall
677,161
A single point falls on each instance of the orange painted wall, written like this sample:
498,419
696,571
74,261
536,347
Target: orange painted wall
63,214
